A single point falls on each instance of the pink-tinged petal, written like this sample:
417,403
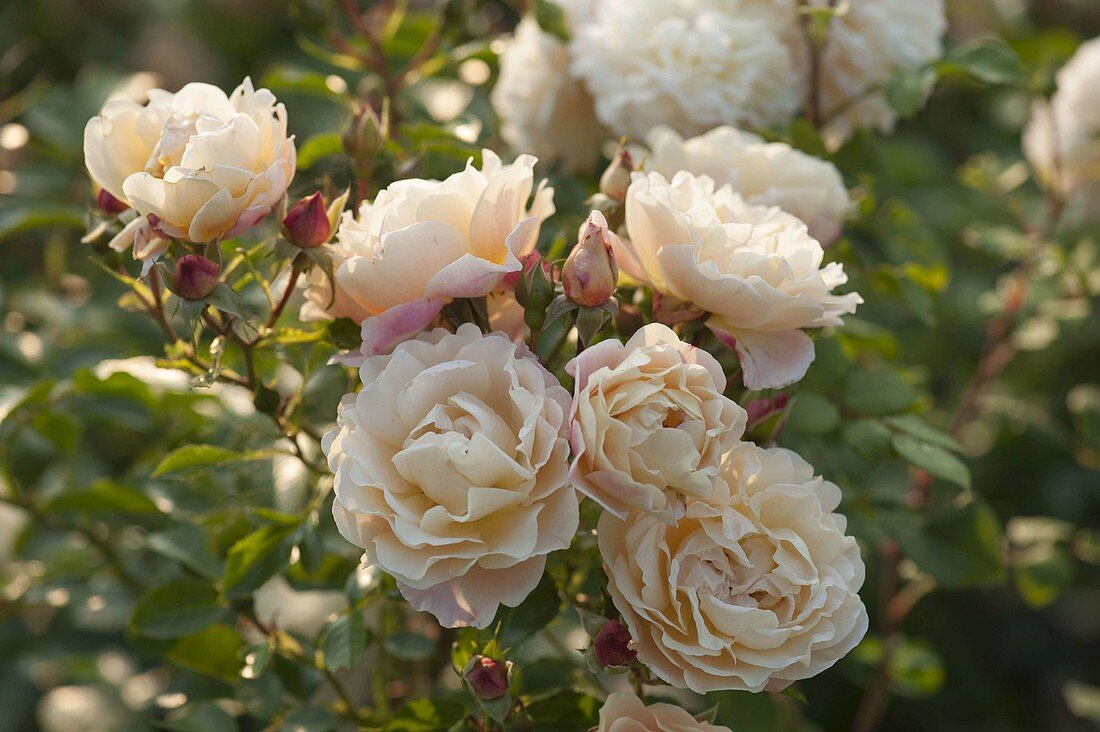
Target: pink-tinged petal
769,359
472,600
605,354
384,331
627,259
470,276
249,218
125,239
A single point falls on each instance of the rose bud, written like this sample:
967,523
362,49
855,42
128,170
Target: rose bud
364,139
307,224
612,645
590,274
108,204
487,677
196,277
616,179
762,409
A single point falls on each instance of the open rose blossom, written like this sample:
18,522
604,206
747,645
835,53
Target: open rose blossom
1062,139
751,594
763,173
422,243
451,467
544,109
623,712
650,423
756,270
195,165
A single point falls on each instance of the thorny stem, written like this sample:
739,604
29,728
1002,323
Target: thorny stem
997,353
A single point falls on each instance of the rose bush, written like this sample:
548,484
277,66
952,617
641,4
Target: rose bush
344,487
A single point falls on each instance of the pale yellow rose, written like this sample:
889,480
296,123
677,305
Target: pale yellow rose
195,165
763,173
624,712
650,424
422,243
750,595
544,109
756,270
451,467
1062,139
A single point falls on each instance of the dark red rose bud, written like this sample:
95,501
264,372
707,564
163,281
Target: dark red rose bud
612,645
196,277
761,409
488,678
108,204
306,224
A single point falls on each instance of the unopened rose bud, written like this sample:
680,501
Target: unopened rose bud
612,645
487,677
616,179
364,139
108,204
762,409
307,223
590,274
196,277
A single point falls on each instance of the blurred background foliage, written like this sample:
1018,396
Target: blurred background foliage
1000,565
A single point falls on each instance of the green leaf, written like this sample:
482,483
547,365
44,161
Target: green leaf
310,719
257,558
960,546
408,646
425,715
103,497
211,652
203,716
869,437
343,641
934,459
532,615
1041,576
990,61
319,146
186,544
878,393
918,429
178,608
813,414
551,19
908,88
191,457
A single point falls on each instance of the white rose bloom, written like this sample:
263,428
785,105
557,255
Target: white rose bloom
756,270
203,165
867,42
763,173
422,243
624,712
544,109
1062,139
451,467
650,424
688,64
750,595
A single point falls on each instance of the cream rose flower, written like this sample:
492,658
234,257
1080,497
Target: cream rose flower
867,42
650,424
544,109
195,165
451,467
763,173
688,64
756,270
624,712
422,243
1062,139
750,595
